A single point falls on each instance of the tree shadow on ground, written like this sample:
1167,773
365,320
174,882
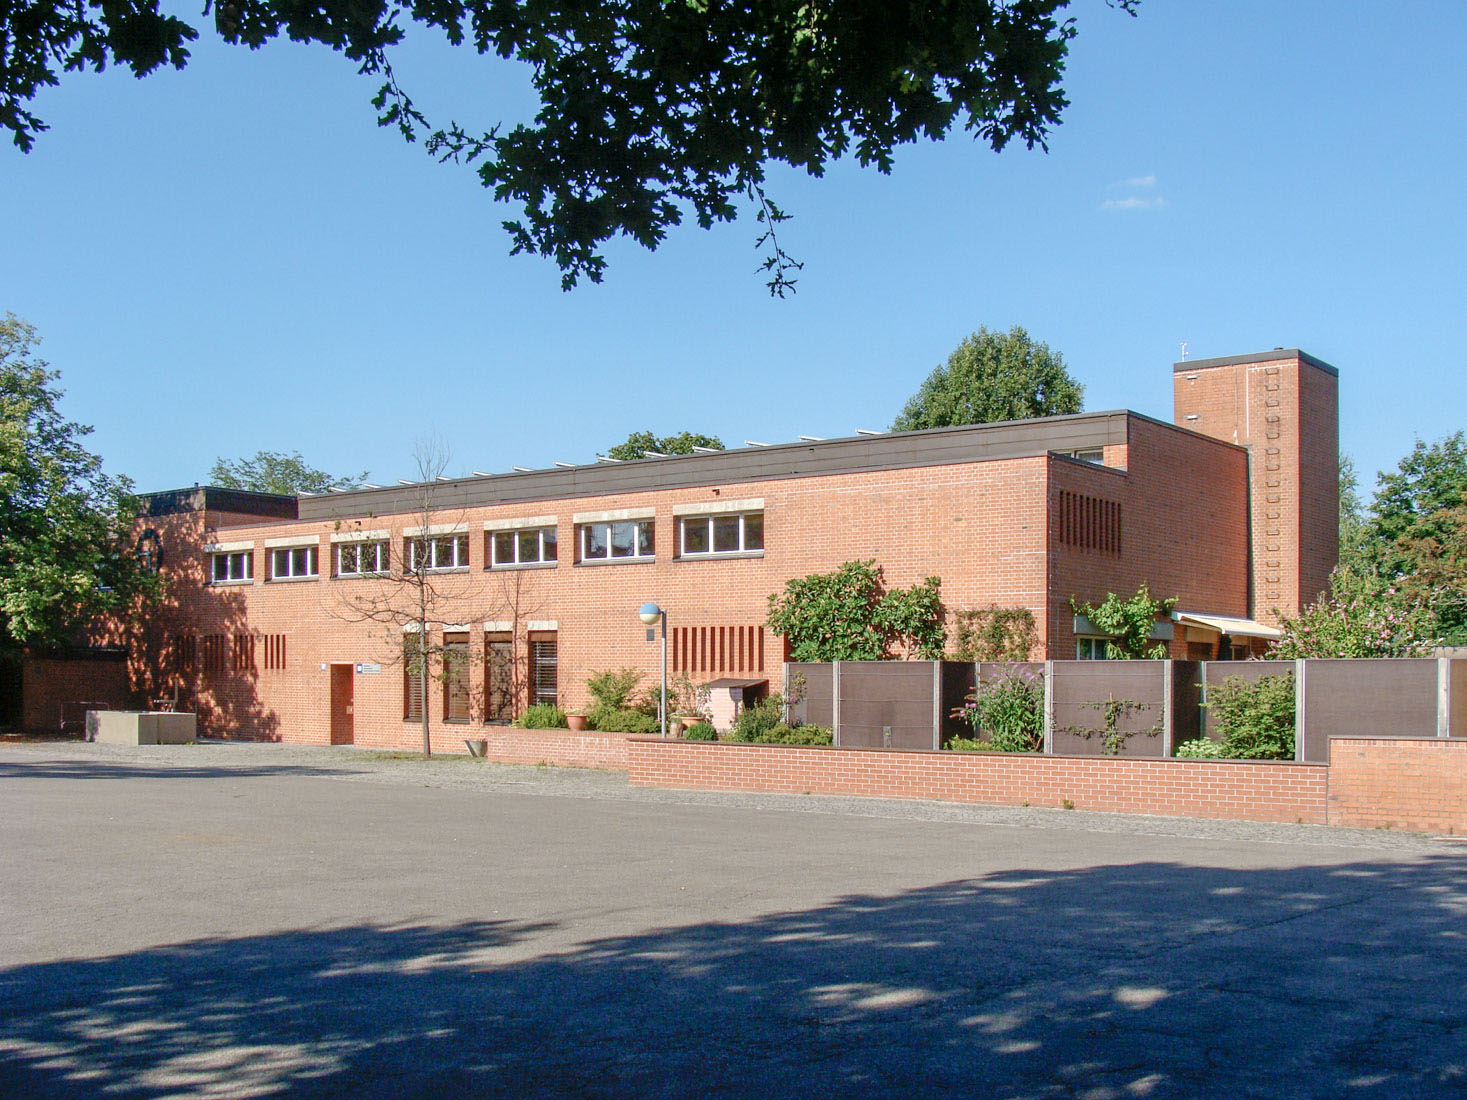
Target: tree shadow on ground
81,769
1144,980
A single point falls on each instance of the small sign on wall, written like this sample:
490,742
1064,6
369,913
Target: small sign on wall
364,669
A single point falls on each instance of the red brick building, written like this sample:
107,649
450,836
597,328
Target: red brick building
539,574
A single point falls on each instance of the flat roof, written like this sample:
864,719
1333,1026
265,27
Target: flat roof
211,498
1255,357
806,458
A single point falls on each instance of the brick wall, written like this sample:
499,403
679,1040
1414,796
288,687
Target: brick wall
562,748
1418,785
48,682
1181,788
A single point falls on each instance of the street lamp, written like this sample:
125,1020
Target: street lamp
651,614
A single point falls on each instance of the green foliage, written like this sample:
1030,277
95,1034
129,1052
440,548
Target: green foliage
1255,721
278,472
541,716
756,720
1009,711
638,445
994,633
993,376
846,615
1115,714
613,690
971,744
781,734
622,721
700,731
1353,532
1362,615
649,112
1202,749
1414,536
1128,623
67,553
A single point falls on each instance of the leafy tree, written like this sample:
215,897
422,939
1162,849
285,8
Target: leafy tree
848,615
1128,623
638,445
1354,533
1362,615
994,633
1413,536
649,111
993,376
66,528
1254,720
278,472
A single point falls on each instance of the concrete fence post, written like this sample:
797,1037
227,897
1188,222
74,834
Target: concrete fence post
936,705
1301,707
1443,697
1048,707
1167,671
835,702
1202,702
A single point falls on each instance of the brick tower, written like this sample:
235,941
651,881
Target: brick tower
1283,406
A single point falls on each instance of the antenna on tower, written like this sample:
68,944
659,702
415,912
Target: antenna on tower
1184,351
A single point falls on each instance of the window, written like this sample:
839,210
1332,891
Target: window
232,568
292,563
543,668
1095,455
619,541
212,646
455,677
274,652
438,553
527,546
704,536
498,679
1090,649
412,679
360,559
244,653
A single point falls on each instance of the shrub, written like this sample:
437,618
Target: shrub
795,735
969,744
1255,721
622,721
700,731
613,690
1202,749
758,719
1009,710
994,633
541,716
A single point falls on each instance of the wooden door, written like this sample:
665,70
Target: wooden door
343,680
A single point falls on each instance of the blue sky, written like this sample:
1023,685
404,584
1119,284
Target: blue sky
236,257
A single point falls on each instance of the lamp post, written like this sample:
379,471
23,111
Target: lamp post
652,615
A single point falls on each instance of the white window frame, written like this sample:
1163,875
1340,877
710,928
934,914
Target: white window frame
517,533
458,552
583,541
246,558
709,523
288,554
1091,648
381,550
1093,455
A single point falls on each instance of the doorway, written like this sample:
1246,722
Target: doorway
343,681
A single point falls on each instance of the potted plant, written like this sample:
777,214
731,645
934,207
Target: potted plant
576,722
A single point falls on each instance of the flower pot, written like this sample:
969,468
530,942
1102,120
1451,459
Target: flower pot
477,746
576,722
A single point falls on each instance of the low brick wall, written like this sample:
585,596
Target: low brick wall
565,748
1418,784
1254,791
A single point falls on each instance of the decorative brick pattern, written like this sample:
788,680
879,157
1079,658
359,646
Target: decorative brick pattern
1252,791
1419,785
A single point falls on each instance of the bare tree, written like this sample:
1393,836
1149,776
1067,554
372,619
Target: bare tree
419,589
513,605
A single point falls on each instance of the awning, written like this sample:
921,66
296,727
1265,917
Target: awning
1226,624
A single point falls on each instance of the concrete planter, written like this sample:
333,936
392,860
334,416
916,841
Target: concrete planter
141,727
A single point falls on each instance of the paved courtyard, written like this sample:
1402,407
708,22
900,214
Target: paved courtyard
225,920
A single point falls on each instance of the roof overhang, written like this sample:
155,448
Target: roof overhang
1227,624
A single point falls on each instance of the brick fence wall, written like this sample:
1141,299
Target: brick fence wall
1254,791
1417,784
563,748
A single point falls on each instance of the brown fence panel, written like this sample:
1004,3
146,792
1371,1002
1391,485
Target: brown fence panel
958,680
1362,697
886,704
815,705
1082,687
1186,703
1214,672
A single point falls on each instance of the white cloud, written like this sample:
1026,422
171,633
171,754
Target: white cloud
1138,181
1134,202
